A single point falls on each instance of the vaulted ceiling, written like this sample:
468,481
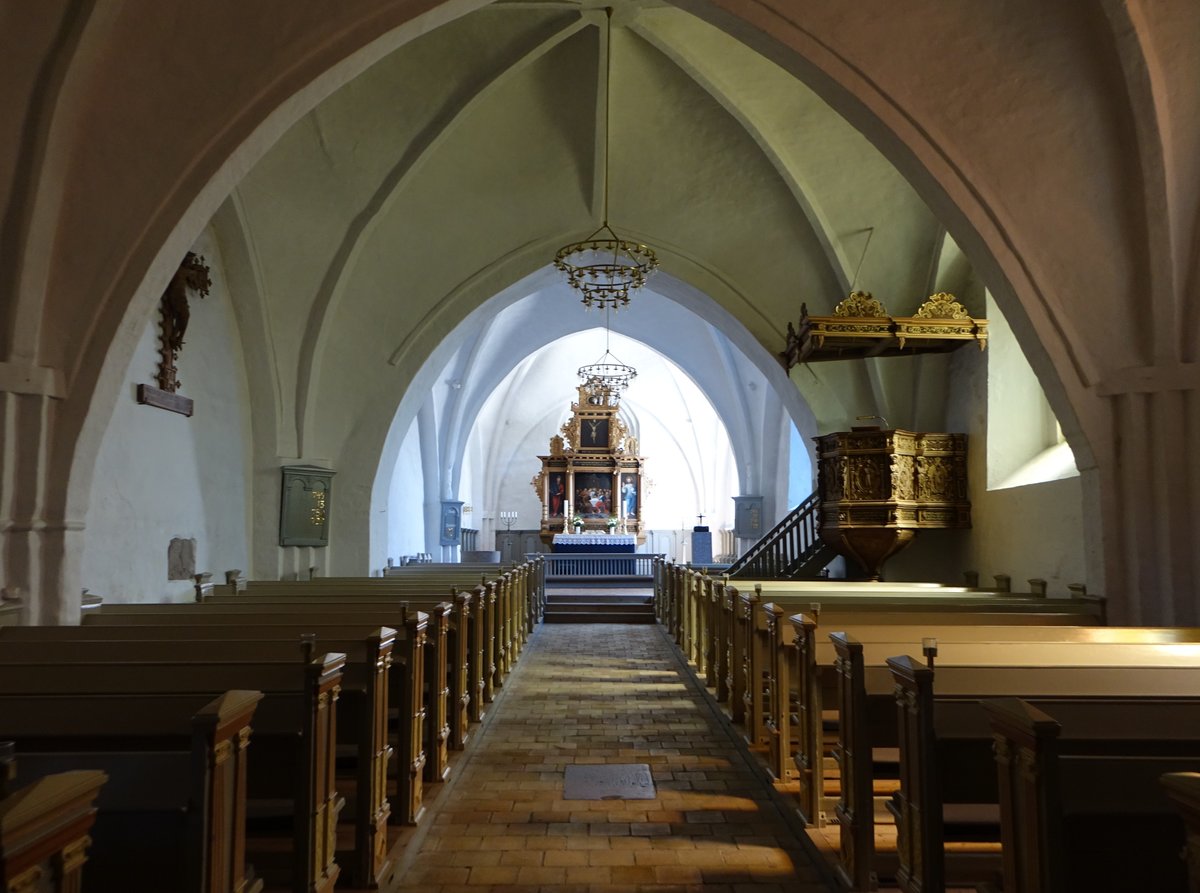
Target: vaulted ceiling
455,166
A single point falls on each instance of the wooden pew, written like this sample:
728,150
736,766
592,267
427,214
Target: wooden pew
319,613
518,605
529,578
362,723
803,678
521,589
492,630
459,619
293,756
1183,790
748,642
703,616
867,712
44,828
689,602
1080,801
404,688
183,786
1105,693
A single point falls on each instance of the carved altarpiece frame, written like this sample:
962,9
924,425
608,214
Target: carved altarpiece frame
593,452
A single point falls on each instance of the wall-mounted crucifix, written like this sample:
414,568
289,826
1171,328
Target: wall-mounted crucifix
192,276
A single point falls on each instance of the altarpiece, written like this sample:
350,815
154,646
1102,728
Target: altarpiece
593,472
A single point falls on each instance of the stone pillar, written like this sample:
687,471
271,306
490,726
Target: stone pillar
41,548
1148,484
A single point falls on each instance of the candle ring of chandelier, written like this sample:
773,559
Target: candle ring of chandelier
612,376
605,269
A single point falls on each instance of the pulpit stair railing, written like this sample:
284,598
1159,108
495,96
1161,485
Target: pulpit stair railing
792,549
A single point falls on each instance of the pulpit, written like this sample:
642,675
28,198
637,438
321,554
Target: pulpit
591,482
879,487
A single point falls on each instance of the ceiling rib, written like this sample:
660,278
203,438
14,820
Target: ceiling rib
359,232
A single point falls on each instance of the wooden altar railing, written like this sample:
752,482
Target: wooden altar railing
598,564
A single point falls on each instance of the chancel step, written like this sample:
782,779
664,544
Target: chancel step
599,605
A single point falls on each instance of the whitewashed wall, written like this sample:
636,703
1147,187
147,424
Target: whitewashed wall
1029,531
406,504
161,475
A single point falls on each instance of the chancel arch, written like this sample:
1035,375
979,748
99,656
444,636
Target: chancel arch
711,354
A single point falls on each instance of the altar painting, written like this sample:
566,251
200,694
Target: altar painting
556,491
593,495
629,496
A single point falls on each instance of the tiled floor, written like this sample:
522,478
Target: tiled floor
605,694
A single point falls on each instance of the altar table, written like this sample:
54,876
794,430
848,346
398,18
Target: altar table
595,542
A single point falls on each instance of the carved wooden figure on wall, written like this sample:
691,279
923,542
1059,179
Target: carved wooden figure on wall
192,275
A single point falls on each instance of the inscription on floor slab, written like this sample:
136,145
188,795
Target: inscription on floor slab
624,781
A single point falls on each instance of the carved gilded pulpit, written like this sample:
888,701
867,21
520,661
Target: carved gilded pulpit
879,487
593,472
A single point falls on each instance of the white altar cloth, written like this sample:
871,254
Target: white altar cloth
595,539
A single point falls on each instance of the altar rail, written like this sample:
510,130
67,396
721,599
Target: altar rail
598,564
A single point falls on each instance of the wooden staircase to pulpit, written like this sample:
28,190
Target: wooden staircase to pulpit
791,550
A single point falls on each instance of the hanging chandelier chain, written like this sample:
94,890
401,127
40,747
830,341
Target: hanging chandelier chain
605,268
607,102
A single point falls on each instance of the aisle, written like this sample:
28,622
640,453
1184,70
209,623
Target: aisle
605,694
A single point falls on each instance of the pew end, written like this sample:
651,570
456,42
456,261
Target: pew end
44,831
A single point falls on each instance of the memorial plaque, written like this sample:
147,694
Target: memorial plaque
304,506
620,781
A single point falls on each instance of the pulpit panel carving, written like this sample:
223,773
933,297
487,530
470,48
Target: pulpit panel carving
879,487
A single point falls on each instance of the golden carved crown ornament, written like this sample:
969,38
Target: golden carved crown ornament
942,305
859,303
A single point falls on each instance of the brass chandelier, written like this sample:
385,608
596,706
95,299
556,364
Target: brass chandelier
607,373
603,267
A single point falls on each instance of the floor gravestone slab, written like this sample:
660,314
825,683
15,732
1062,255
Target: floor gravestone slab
623,781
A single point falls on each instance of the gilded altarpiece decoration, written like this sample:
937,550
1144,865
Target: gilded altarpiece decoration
879,487
593,472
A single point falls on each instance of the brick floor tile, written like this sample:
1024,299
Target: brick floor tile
522,857
490,875
677,874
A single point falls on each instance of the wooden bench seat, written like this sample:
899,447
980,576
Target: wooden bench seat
511,609
520,588
1080,800
747,635
1084,680
467,617
499,621
60,707
686,599
689,603
45,828
181,792
802,679
362,720
319,613
406,670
